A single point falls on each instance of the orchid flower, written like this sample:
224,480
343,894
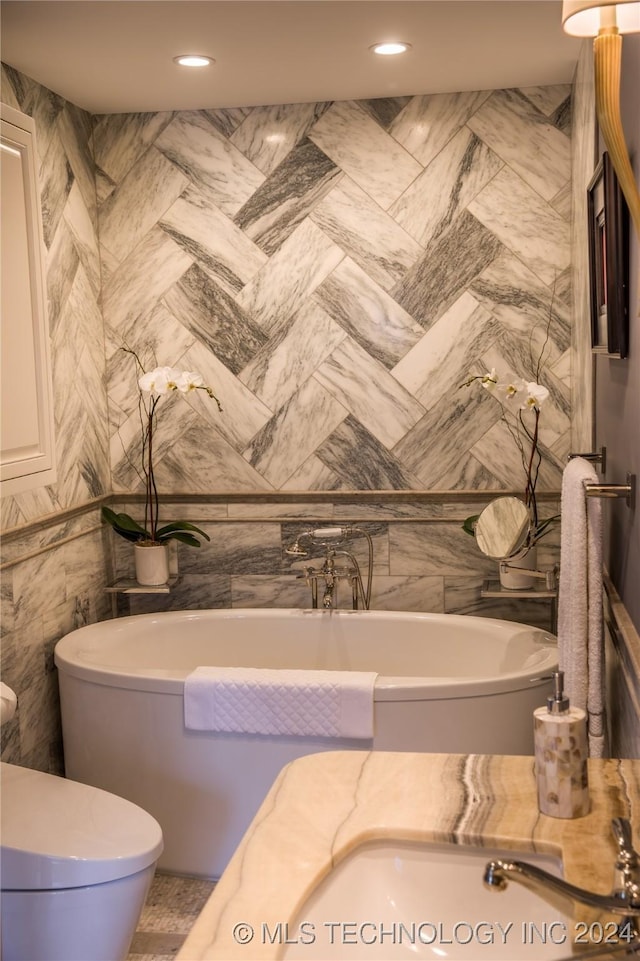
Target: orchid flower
157,383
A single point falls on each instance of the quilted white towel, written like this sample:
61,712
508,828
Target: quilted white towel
580,617
252,700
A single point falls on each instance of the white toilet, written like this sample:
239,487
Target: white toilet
76,866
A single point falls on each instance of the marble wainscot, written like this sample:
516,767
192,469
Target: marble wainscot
324,806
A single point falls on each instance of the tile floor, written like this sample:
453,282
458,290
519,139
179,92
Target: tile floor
172,906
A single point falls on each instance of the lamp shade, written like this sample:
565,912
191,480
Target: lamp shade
583,18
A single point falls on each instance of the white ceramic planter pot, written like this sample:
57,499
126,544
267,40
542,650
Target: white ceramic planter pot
152,564
515,577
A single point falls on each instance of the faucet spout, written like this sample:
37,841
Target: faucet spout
624,900
498,873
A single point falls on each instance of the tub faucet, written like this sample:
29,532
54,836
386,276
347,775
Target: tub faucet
624,899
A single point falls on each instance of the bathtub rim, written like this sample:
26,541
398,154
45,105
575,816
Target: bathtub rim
68,657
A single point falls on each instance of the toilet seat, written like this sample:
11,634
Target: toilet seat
58,833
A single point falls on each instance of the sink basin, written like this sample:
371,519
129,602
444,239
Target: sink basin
392,900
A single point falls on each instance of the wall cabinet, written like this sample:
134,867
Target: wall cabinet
27,457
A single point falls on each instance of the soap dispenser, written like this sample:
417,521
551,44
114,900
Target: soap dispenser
560,738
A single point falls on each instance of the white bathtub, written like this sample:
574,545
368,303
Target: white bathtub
447,683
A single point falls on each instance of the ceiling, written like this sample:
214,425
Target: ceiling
113,56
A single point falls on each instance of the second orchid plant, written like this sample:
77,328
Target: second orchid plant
521,402
153,386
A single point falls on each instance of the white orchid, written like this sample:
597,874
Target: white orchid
189,380
157,382
516,395
536,396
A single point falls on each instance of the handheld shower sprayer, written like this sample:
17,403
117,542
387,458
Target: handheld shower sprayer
329,538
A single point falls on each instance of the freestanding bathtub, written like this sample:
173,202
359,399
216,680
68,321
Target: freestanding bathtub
446,683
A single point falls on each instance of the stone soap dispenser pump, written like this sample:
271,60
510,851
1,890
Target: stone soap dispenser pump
560,739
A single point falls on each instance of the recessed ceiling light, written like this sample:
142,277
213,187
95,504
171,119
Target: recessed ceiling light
193,60
390,49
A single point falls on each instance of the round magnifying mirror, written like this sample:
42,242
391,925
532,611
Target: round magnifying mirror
502,528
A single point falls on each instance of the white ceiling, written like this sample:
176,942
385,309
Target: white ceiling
112,56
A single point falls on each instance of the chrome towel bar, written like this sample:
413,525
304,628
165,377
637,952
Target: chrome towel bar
628,490
596,456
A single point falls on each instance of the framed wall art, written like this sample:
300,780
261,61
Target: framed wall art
608,220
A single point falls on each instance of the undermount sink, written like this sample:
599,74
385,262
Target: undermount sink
393,900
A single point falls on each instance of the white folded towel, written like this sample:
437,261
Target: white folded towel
580,613
271,701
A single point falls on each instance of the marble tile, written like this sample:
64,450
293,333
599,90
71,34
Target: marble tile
61,266
214,318
56,180
522,136
195,146
313,475
499,453
243,413
360,147
287,196
439,363
38,583
368,314
366,233
220,248
270,590
442,191
446,269
362,462
227,119
540,238
74,127
365,387
526,307
12,86
236,548
548,99
291,275
291,355
410,593
429,122
294,432
83,234
120,140
433,446
200,460
159,339
139,200
268,134
435,549
384,110
142,280
467,473
193,592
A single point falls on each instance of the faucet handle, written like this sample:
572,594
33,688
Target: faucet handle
622,832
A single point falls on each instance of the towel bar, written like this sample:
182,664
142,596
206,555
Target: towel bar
628,490
596,456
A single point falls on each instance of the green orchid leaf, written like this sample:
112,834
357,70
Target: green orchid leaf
184,538
469,524
170,530
124,525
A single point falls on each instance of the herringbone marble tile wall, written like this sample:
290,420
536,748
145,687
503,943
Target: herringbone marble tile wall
335,271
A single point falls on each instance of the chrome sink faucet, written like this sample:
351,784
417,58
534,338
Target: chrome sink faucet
624,899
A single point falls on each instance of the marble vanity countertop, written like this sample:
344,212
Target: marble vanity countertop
322,806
